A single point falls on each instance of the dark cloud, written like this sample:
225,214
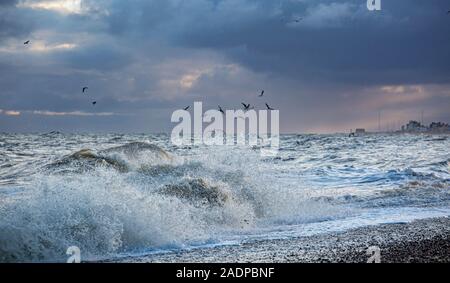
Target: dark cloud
8,2
12,22
406,43
97,57
147,58
337,41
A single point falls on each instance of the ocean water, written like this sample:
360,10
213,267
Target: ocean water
124,197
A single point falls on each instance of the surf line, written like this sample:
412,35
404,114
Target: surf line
208,128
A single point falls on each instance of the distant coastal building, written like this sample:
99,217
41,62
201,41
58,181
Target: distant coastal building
439,127
360,131
414,126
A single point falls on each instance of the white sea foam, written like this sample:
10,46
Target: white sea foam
52,202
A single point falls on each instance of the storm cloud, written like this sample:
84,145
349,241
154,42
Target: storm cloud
333,71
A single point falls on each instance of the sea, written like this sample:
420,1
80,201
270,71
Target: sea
128,195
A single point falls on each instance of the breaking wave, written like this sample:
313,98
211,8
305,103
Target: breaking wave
120,197
138,197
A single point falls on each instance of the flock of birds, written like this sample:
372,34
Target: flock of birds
246,106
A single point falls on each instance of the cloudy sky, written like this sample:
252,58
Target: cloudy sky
333,71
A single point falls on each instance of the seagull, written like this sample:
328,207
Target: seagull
94,102
186,108
246,106
26,42
297,20
84,89
262,93
221,110
268,107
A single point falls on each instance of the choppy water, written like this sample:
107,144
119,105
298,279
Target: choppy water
126,198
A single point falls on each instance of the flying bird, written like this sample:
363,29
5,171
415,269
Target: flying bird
268,107
26,42
186,108
262,93
85,88
94,102
221,110
246,106
297,20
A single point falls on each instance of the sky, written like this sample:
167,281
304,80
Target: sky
335,70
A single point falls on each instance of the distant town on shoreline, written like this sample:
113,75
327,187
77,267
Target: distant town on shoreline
415,127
